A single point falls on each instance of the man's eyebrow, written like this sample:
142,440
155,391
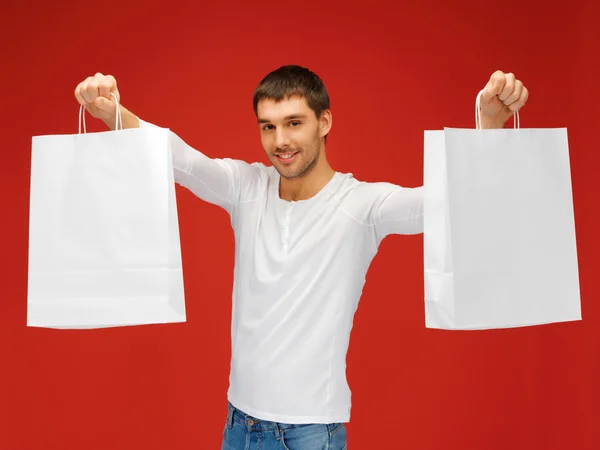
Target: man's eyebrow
293,116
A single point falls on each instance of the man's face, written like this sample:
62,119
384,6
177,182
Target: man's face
290,135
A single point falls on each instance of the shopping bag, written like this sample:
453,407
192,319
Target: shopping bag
499,230
104,246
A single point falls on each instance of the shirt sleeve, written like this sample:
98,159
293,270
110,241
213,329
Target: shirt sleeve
222,182
399,210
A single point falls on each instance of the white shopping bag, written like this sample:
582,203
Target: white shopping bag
104,244
499,231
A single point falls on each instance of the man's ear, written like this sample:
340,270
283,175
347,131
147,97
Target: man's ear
325,122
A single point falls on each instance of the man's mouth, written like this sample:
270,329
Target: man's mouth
286,158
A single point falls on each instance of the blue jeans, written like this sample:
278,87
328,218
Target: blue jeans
244,432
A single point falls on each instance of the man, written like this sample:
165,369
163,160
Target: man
304,238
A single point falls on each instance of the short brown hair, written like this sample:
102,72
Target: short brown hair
293,80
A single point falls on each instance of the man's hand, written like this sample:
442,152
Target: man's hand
501,98
94,93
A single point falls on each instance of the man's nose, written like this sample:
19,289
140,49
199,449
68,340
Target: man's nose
281,139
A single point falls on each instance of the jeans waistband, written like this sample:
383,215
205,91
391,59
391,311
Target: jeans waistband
255,424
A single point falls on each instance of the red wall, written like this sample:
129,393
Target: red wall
392,71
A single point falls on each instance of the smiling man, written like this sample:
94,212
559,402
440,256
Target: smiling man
293,134
305,236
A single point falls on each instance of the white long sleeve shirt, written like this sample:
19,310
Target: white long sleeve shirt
299,271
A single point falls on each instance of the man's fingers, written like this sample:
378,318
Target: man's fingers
93,88
493,87
105,90
88,91
95,94
523,97
106,86
508,88
78,96
516,94
83,90
487,95
503,91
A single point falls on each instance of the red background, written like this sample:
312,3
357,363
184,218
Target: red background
392,71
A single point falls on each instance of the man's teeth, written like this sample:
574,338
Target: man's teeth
286,155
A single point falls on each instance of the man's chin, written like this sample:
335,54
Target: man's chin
285,170
288,173
295,170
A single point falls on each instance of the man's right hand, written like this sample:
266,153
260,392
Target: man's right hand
94,94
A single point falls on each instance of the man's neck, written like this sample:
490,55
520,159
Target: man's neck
305,187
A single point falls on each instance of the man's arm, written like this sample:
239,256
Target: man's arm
399,210
217,181
129,119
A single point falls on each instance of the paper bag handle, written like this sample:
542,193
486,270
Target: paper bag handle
516,118
119,119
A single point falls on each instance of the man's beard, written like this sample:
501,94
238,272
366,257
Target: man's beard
307,166
302,171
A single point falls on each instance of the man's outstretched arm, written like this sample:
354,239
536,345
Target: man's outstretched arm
220,181
400,211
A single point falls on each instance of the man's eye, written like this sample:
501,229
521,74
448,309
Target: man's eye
266,127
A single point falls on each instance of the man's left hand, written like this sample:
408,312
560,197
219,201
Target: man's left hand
501,98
